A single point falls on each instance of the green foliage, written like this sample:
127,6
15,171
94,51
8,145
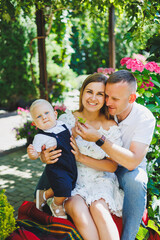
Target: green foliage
59,81
14,77
141,14
144,15
7,220
149,231
148,81
88,52
153,189
153,47
143,234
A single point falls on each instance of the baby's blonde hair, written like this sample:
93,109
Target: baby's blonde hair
37,102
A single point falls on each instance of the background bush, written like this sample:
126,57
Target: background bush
7,220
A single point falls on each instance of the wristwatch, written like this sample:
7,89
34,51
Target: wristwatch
101,141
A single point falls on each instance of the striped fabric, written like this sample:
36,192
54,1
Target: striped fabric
52,231
45,226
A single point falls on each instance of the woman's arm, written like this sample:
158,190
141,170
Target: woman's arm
105,164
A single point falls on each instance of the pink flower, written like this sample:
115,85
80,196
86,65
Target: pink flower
139,57
158,125
153,67
22,110
142,85
157,70
106,71
134,65
147,85
124,60
109,70
100,70
61,108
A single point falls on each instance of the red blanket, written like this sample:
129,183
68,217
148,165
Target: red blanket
37,225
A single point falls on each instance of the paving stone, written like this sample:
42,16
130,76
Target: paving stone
19,176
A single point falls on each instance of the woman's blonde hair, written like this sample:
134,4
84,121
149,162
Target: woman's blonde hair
96,77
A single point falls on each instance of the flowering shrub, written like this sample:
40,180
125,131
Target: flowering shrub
148,81
60,109
148,91
106,71
27,129
148,94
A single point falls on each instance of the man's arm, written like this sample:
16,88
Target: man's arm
130,159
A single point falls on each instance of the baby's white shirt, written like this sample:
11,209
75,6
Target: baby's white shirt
41,139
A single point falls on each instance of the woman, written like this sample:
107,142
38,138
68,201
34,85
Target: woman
96,192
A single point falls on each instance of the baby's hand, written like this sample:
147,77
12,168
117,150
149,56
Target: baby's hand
32,153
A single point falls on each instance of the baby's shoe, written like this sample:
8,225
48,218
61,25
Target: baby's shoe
57,210
40,199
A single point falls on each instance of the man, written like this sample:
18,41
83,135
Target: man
137,126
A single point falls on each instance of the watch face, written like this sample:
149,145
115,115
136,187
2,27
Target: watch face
100,141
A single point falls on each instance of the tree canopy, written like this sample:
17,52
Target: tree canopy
140,13
78,32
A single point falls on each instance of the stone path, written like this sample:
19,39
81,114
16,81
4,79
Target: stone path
19,176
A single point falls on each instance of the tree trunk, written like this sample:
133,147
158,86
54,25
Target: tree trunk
42,53
111,38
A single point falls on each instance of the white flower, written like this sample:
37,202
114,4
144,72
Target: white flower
156,203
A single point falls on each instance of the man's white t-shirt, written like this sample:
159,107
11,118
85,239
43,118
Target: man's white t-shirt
138,126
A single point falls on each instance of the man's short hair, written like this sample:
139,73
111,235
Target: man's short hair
123,76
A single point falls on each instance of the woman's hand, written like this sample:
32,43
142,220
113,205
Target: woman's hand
87,132
75,149
74,134
50,155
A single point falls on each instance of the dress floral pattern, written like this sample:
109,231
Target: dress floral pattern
92,184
